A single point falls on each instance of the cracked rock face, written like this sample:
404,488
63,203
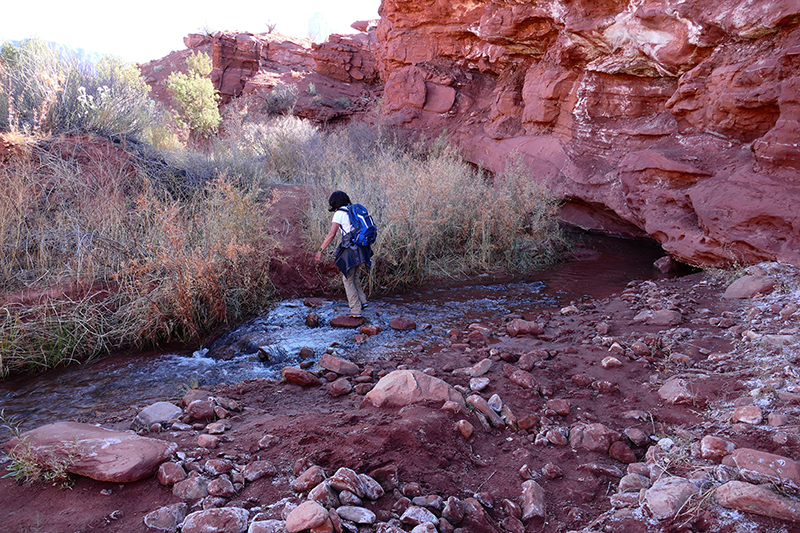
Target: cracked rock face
674,122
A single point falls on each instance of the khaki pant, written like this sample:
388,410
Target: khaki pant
352,288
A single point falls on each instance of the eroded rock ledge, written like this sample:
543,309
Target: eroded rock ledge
677,120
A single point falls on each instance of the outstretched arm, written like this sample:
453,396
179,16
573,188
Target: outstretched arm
328,239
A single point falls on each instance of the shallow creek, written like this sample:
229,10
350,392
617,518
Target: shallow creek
116,383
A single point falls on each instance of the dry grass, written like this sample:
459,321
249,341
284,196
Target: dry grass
437,215
126,250
124,264
28,467
104,245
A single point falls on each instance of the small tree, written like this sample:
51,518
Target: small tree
195,97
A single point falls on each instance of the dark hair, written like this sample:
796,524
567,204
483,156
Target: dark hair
338,199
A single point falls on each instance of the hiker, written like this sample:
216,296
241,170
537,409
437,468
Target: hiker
349,256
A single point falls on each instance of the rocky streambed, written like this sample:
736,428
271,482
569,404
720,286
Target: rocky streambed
670,406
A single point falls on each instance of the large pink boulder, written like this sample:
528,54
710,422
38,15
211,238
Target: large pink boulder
97,453
405,387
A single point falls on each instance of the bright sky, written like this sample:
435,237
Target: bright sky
139,31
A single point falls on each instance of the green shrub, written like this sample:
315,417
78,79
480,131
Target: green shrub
195,97
281,99
44,91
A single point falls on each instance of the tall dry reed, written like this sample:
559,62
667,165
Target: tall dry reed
438,216
123,263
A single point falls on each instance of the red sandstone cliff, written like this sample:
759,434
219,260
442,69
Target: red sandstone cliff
331,80
676,119
673,119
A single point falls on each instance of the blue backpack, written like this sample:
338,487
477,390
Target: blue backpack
364,230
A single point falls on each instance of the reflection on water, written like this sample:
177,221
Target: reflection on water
117,383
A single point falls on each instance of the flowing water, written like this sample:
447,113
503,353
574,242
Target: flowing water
119,383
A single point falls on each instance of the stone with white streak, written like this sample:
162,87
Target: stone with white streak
416,515
762,467
167,518
347,479
757,499
668,495
532,500
372,489
359,515
97,453
267,526
476,370
223,520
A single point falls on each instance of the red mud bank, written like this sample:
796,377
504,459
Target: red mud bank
673,121
671,406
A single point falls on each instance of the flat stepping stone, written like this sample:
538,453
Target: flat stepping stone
347,321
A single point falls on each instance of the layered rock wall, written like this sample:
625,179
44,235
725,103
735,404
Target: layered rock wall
326,81
673,119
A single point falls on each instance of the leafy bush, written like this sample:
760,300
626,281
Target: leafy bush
43,91
281,99
195,97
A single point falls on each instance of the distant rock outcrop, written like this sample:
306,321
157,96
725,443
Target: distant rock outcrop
324,81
